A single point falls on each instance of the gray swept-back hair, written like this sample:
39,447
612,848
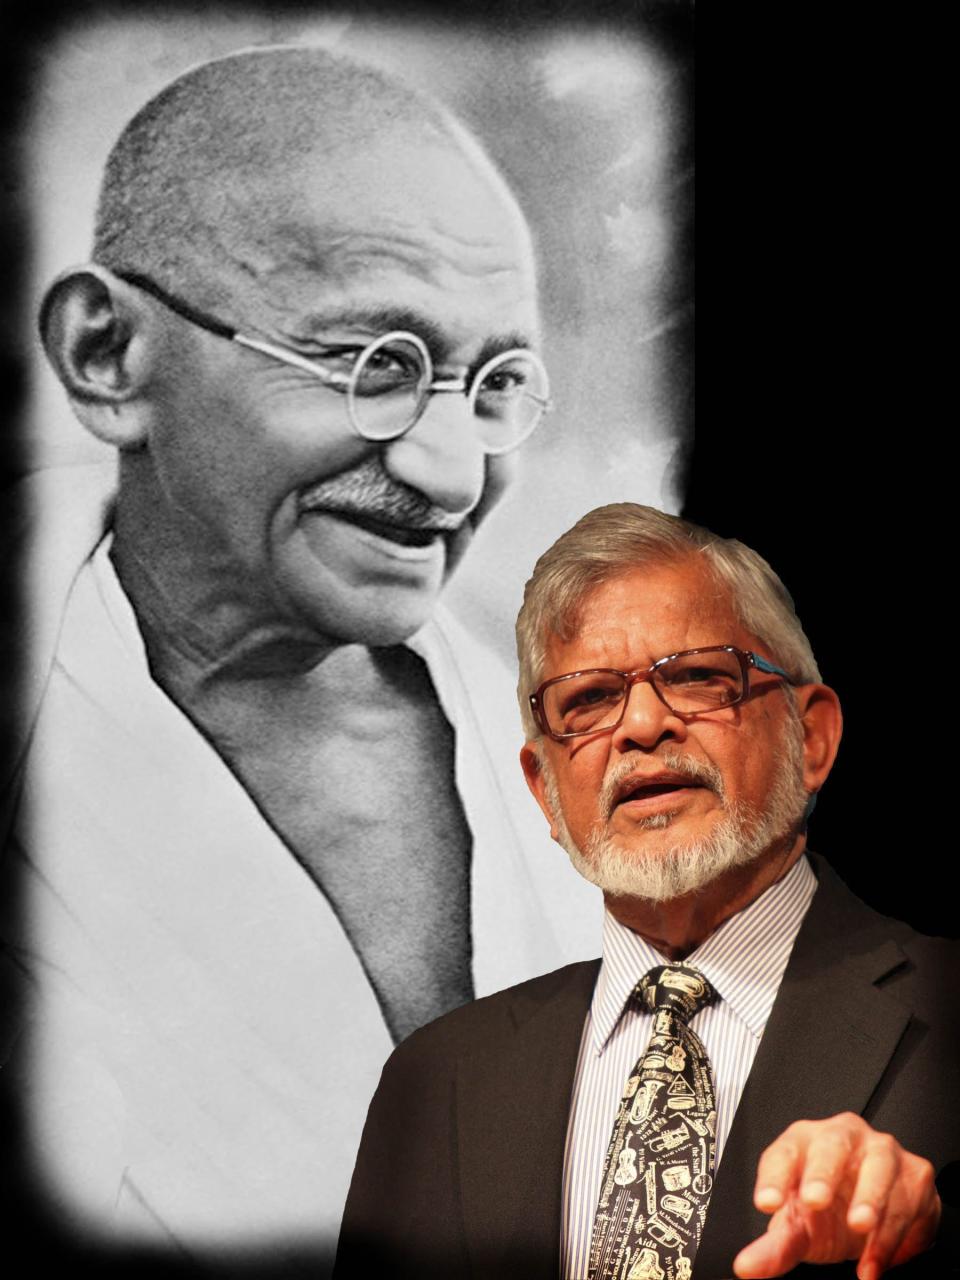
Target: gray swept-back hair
616,539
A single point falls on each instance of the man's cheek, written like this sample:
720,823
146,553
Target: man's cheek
499,474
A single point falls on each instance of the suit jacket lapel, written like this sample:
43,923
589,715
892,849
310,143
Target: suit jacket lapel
513,1100
828,1041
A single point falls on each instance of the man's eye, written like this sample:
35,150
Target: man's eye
590,696
388,361
698,675
587,698
703,681
385,360
701,675
505,381
512,391
389,368
338,359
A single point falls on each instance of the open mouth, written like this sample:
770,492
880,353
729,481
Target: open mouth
653,789
639,790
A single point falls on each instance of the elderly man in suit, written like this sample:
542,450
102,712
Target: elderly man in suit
759,1075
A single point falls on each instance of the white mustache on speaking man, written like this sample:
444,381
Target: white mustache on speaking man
629,867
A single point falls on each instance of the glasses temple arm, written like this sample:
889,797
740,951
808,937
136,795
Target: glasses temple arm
768,667
184,309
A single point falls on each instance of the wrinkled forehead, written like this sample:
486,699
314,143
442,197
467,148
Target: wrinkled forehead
363,221
645,613
394,184
681,588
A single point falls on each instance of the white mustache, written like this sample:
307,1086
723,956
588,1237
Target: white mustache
707,775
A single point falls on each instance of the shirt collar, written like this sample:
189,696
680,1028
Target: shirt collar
744,959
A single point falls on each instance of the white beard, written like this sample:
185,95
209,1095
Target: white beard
741,835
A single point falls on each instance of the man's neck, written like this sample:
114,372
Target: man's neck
678,927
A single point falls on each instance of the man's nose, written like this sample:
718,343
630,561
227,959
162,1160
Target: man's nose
441,455
647,720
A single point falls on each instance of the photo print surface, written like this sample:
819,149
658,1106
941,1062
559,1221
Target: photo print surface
263,806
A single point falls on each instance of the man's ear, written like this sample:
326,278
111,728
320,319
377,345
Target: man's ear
91,324
530,762
822,722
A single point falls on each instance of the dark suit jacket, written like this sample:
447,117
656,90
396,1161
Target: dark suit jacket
459,1170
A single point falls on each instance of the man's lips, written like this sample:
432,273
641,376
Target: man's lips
408,534
655,783
640,788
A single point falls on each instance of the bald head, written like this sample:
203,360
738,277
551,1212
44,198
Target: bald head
274,152
315,207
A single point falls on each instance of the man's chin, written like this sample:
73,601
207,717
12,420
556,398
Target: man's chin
392,624
666,872
374,617
348,601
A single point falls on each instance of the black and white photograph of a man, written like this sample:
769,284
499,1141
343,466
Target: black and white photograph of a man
334,322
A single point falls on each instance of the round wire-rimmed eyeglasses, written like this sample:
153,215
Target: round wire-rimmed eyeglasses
690,683
388,382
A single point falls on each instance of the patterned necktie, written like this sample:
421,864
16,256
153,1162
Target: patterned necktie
659,1167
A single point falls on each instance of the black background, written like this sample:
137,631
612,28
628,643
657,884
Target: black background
820,436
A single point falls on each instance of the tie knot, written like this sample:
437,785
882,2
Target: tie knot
677,987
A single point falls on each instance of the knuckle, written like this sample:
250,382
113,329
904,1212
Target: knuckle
851,1125
797,1130
885,1143
832,1143
924,1172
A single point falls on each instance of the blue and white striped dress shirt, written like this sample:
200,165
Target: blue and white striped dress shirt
744,960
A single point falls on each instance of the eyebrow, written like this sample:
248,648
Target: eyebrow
496,346
386,319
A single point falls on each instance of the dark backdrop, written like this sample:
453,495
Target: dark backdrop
820,436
